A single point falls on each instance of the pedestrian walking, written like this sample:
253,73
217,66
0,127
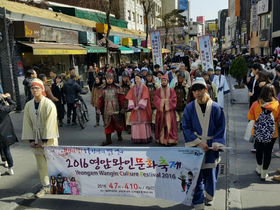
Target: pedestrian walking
111,102
204,126
165,101
71,89
7,132
47,90
265,131
57,90
141,113
95,94
39,129
90,77
30,75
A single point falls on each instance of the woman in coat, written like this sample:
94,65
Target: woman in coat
58,93
7,133
95,94
267,101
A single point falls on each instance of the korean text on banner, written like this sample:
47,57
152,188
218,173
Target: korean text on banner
165,173
205,52
156,47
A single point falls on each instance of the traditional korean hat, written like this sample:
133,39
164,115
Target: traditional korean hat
37,82
198,84
150,73
138,70
210,69
109,75
125,74
173,67
165,77
218,68
144,69
182,74
204,73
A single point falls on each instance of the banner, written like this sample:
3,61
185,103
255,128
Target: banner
184,5
205,52
156,47
165,173
237,8
254,18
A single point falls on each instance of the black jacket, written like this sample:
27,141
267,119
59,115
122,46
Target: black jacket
71,89
7,132
58,93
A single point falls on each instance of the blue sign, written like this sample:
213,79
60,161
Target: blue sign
183,5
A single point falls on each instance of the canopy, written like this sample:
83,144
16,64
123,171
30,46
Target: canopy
125,50
135,49
55,49
95,49
145,50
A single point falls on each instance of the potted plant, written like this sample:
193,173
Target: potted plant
238,70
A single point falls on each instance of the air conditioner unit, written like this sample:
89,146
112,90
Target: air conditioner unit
86,37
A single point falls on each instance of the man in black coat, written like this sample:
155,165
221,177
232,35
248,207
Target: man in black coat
71,89
7,133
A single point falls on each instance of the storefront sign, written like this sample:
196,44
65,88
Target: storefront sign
127,42
264,35
20,69
136,42
213,27
255,18
165,173
263,7
101,28
86,37
115,39
205,52
156,47
25,29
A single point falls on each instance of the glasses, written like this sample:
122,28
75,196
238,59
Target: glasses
35,88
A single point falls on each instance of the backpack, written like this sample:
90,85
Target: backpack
264,128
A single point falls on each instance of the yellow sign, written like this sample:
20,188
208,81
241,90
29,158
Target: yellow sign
58,52
127,42
101,28
213,27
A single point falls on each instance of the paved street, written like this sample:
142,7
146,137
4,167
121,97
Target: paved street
238,186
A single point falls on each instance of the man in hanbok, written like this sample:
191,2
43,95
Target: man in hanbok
165,101
111,102
39,129
222,86
204,126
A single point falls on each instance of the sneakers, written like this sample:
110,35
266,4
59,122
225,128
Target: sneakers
10,171
264,175
6,164
42,192
277,154
276,178
259,169
253,150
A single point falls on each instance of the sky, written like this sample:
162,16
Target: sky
207,8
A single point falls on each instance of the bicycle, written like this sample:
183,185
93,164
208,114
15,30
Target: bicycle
81,110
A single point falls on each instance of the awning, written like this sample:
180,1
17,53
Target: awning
163,50
125,50
145,50
95,49
56,49
136,50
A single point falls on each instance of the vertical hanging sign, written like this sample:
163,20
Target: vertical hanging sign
156,47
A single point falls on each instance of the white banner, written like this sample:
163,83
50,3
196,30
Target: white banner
205,52
166,173
156,47
254,18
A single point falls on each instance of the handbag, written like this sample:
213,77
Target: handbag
248,134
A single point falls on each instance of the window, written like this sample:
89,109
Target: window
265,21
133,16
141,19
138,18
129,17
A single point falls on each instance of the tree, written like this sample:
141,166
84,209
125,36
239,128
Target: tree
169,19
238,69
148,6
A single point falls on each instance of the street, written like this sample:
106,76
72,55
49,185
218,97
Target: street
238,186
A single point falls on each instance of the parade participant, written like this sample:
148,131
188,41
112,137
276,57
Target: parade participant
204,126
152,85
39,128
141,113
157,69
211,74
175,79
111,102
187,74
267,104
165,101
158,77
222,86
165,70
212,89
172,73
135,72
126,85
57,90
95,94
7,132
181,90
144,72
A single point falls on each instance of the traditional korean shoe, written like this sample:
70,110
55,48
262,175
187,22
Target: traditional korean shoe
10,171
6,164
259,169
42,192
97,121
276,178
264,175
119,136
104,143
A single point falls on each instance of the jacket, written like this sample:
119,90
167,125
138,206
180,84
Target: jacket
58,93
49,94
7,132
256,110
95,94
71,89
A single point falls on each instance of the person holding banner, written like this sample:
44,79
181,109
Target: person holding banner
165,101
204,126
141,115
39,128
111,102
222,85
